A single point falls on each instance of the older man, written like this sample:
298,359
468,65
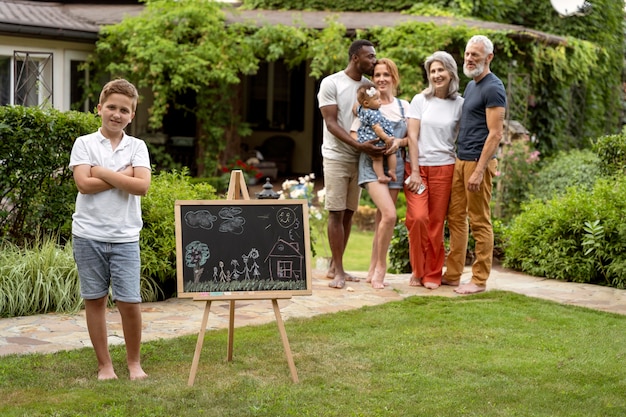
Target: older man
481,129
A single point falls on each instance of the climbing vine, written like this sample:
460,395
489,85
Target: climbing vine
186,46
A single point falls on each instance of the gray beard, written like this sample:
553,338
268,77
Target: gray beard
475,73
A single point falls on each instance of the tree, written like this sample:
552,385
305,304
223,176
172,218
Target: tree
177,47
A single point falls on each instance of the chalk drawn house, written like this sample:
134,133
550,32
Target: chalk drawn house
285,261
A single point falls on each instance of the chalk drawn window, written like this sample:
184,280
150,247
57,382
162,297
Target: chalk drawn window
285,269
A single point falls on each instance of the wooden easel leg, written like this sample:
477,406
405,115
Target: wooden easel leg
231,330
283,336
196,355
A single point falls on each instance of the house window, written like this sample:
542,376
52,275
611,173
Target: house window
32,84
275,97
78,81
5,80
285,269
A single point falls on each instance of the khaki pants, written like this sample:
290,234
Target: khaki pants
475,205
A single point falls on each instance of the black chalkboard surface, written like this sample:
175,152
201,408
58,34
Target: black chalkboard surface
242,249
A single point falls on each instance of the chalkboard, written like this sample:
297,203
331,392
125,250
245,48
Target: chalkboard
242,249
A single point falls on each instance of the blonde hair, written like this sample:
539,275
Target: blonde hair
119,86
449,65
393,71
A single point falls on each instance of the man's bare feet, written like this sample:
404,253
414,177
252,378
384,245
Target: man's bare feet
430,285
337,282
415,282
470,288
136,372
444,281
330,274
106,373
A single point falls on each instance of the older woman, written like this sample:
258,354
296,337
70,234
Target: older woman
433,124
386,79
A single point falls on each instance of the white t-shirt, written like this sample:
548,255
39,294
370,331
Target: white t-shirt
439,127
112,216
340,90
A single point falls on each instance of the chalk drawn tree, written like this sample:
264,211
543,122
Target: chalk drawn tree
196,255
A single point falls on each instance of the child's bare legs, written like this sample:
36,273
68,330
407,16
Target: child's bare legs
131,323
379,169
392,163
97,327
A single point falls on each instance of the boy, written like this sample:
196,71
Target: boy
111,170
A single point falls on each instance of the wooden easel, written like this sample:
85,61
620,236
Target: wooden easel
238,190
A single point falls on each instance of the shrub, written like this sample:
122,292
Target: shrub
612,153
399,262
158,237
516,166
578,237
576,168
37,190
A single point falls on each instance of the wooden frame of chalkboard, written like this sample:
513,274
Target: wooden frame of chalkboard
242,249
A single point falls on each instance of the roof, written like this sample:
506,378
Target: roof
83,21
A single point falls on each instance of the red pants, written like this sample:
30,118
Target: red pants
425,216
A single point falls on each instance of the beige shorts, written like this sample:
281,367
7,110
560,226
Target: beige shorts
342,185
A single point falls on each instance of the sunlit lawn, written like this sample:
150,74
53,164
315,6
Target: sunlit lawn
492,354
359,251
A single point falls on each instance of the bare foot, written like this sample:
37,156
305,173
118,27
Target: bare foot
415,282
444,281
106,373
337,283
352,278
431,285
378,285
136,372
470,288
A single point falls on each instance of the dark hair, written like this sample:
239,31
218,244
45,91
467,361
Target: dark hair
356,47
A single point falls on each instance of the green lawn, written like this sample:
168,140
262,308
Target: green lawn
491,354
359,250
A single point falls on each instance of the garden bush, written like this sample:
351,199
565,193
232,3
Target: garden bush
37,192
576,168
158,239
579,237
612,153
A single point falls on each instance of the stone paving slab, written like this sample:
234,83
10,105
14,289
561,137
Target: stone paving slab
175,317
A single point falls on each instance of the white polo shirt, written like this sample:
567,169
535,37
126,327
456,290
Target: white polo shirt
113,215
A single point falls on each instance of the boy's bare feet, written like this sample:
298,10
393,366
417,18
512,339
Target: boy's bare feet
430,285
106,373
470,288
136,372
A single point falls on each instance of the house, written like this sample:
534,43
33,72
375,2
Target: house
43,44
286,262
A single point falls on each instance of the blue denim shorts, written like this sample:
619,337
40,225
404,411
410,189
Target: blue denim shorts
102,264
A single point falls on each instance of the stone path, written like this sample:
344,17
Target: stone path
177,317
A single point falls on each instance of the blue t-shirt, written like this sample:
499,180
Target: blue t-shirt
488,92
